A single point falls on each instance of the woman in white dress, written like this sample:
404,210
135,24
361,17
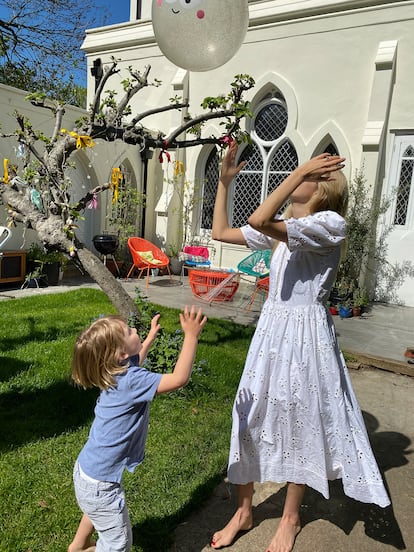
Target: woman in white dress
295,416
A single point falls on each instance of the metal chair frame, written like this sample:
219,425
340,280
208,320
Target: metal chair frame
140,245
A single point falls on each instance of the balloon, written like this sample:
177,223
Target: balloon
199,35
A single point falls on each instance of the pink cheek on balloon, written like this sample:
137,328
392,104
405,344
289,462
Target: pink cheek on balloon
160,3
200,14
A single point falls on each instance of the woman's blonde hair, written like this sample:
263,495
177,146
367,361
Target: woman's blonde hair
331,195
97,354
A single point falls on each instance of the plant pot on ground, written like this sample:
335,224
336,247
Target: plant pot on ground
35,279
48,263
359,300
345,311
176,265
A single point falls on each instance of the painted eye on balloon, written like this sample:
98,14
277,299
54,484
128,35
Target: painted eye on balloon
190,4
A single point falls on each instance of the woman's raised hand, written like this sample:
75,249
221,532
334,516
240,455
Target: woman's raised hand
229,169
321,167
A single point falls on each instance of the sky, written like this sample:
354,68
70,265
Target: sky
108,12
117,10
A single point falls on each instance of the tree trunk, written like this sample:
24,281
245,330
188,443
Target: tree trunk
116,293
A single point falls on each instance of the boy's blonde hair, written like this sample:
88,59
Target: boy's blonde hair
97,354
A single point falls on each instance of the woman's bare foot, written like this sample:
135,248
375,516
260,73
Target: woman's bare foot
285,536
241,521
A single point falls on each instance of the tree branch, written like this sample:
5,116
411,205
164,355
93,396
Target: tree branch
83,202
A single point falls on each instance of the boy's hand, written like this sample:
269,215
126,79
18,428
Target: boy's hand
155,326
192,321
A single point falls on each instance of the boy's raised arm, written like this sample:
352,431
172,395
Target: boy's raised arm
192,322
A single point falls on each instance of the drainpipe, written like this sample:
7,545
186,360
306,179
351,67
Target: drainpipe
146,155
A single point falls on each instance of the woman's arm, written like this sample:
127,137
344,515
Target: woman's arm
221,230
312,171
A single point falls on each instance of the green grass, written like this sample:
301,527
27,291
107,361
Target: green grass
45,421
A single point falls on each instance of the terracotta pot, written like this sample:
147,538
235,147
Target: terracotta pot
333,310
110,265
356,311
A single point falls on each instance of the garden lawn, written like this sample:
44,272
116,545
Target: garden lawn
45,421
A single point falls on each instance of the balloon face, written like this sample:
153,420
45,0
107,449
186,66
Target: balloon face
199,35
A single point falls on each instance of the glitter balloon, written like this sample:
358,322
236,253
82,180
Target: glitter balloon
199,35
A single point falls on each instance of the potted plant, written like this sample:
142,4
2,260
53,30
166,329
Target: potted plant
345,309
124,221
333,309
35,279
50,263
359,300
176,266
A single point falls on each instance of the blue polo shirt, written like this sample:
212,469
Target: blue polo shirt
119,431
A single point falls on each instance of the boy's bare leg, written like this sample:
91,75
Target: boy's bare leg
82,541
289,526
241,521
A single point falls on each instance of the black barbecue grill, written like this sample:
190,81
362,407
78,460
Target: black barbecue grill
106,245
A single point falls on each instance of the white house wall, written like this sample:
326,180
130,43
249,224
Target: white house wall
325,53
92,166
12,99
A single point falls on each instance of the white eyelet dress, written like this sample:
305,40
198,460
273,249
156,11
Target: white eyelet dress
295,416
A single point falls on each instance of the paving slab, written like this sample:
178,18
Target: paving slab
339,524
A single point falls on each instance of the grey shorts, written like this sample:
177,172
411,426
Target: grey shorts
104,503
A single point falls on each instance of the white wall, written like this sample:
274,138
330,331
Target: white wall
92,166
346,65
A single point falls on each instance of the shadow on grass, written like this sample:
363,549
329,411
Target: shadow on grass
34,334
32,415
158,533
220,332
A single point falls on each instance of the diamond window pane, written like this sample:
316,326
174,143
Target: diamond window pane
247,192
404,187
211,176
254,158
246,197
271,122
285,159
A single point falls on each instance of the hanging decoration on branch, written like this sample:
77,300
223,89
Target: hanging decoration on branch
117,179
199,35
93,203
9,171
82,140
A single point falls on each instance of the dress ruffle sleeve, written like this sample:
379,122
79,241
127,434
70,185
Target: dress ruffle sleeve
256,240
323,230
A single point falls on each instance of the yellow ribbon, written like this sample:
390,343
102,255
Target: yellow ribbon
6,171
178,168
116,178
8,167
82,140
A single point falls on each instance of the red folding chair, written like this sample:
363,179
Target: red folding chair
146,256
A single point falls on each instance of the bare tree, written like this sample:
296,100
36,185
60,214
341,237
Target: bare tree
38,38
46,160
